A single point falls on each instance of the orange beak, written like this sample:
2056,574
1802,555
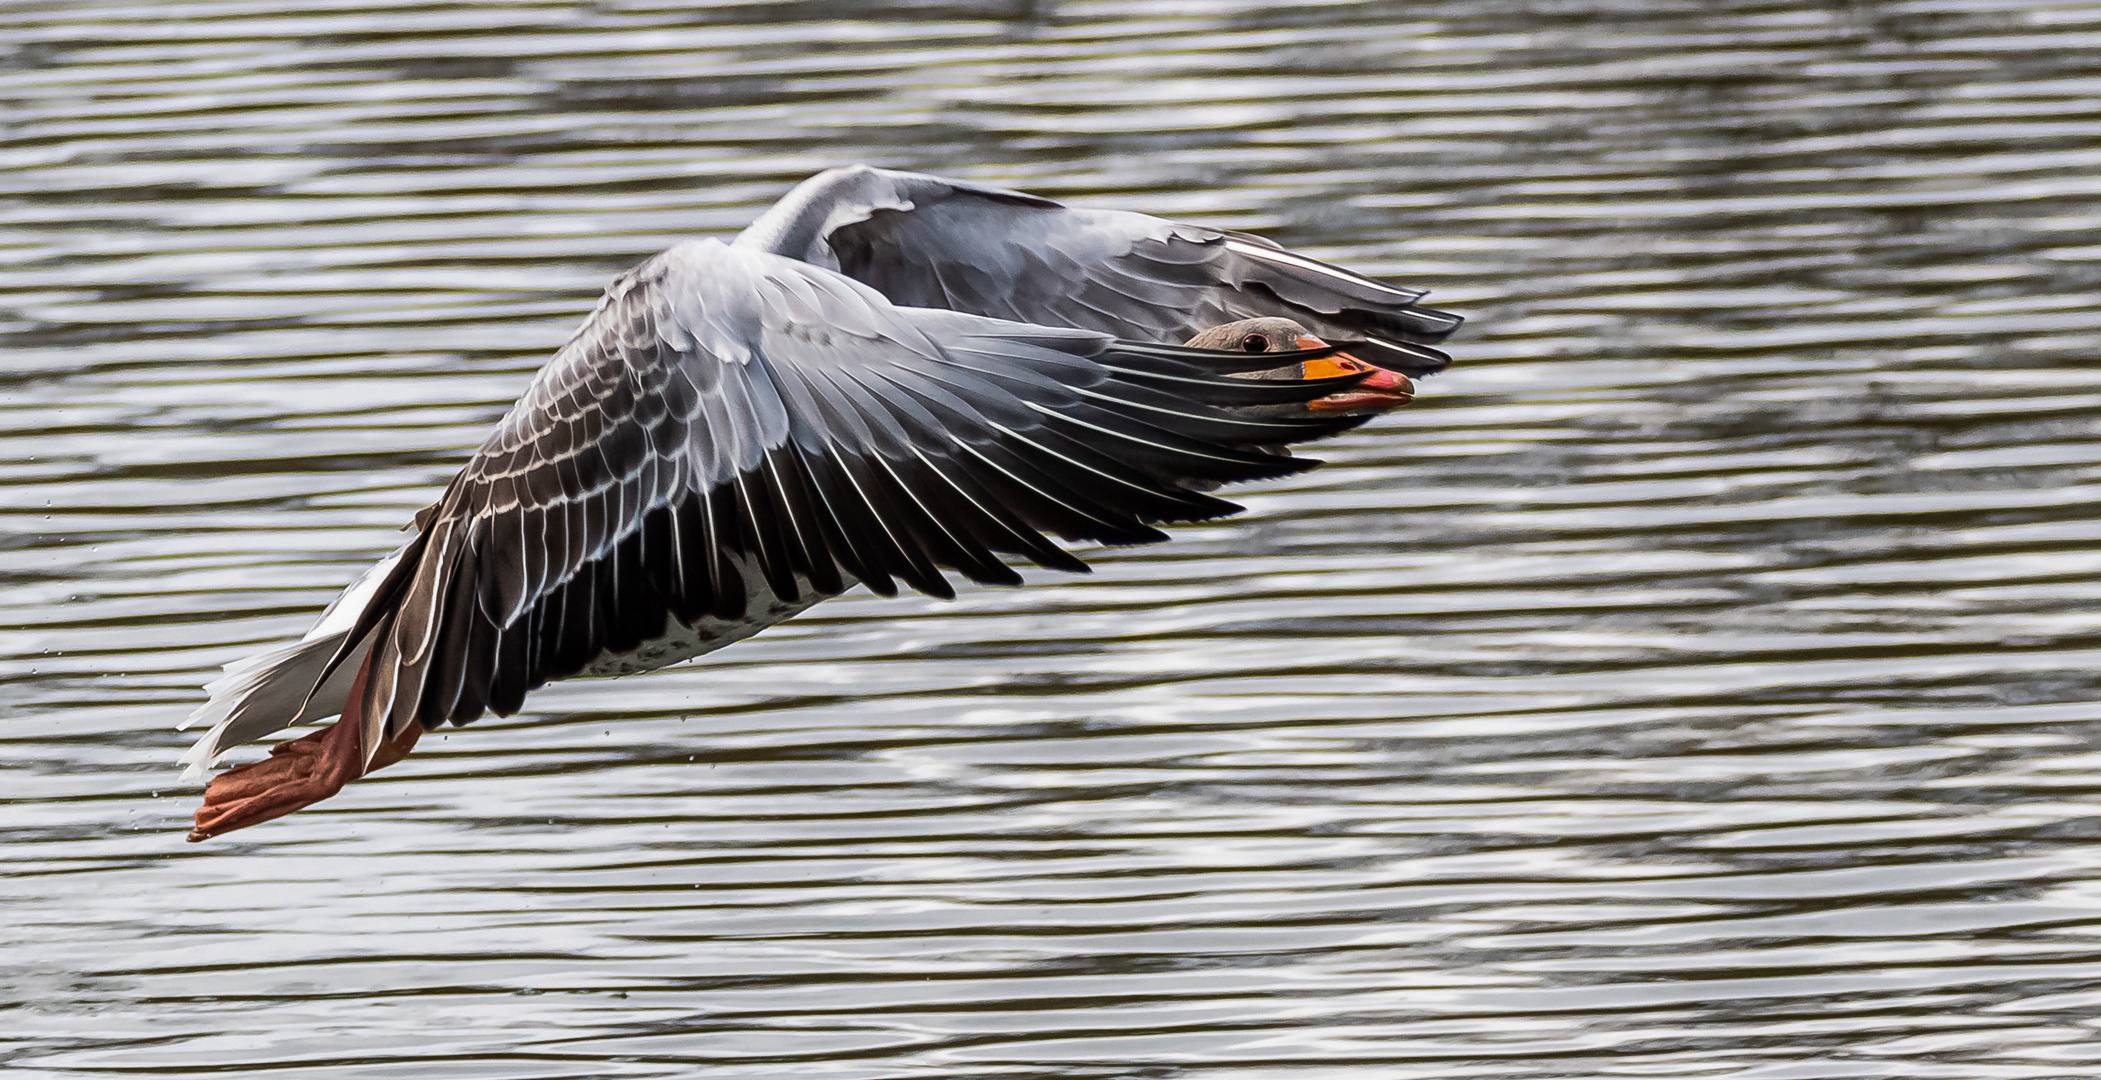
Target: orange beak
1377,392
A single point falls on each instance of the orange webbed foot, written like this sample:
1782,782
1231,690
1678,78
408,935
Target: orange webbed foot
298,773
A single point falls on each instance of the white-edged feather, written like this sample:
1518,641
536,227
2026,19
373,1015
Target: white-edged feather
1300,262
262,694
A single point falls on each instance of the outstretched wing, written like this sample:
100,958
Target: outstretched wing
732,428
925,241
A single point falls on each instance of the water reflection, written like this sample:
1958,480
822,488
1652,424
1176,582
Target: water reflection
1697,681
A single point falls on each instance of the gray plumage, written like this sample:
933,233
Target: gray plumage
886,377
926,241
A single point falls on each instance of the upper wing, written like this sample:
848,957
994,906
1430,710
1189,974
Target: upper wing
925,241
730,426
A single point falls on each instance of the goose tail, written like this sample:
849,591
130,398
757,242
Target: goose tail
292,684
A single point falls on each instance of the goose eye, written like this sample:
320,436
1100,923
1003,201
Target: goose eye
1255,343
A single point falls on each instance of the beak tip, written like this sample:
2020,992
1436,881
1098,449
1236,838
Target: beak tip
1381,390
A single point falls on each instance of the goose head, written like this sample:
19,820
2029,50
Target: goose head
1377,392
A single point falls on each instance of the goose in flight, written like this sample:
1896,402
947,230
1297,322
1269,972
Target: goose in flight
888,376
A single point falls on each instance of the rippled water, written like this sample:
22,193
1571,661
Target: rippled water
1698,681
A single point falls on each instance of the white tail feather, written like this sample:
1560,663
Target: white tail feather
265,697
262,694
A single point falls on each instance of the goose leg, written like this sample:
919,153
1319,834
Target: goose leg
297,773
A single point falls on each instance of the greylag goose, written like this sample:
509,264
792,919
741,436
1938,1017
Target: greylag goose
887,376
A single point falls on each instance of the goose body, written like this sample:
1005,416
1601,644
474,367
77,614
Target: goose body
887,377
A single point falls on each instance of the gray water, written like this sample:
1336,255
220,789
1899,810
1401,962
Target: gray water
1698,681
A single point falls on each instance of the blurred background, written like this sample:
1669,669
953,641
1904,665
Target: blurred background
1699,680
